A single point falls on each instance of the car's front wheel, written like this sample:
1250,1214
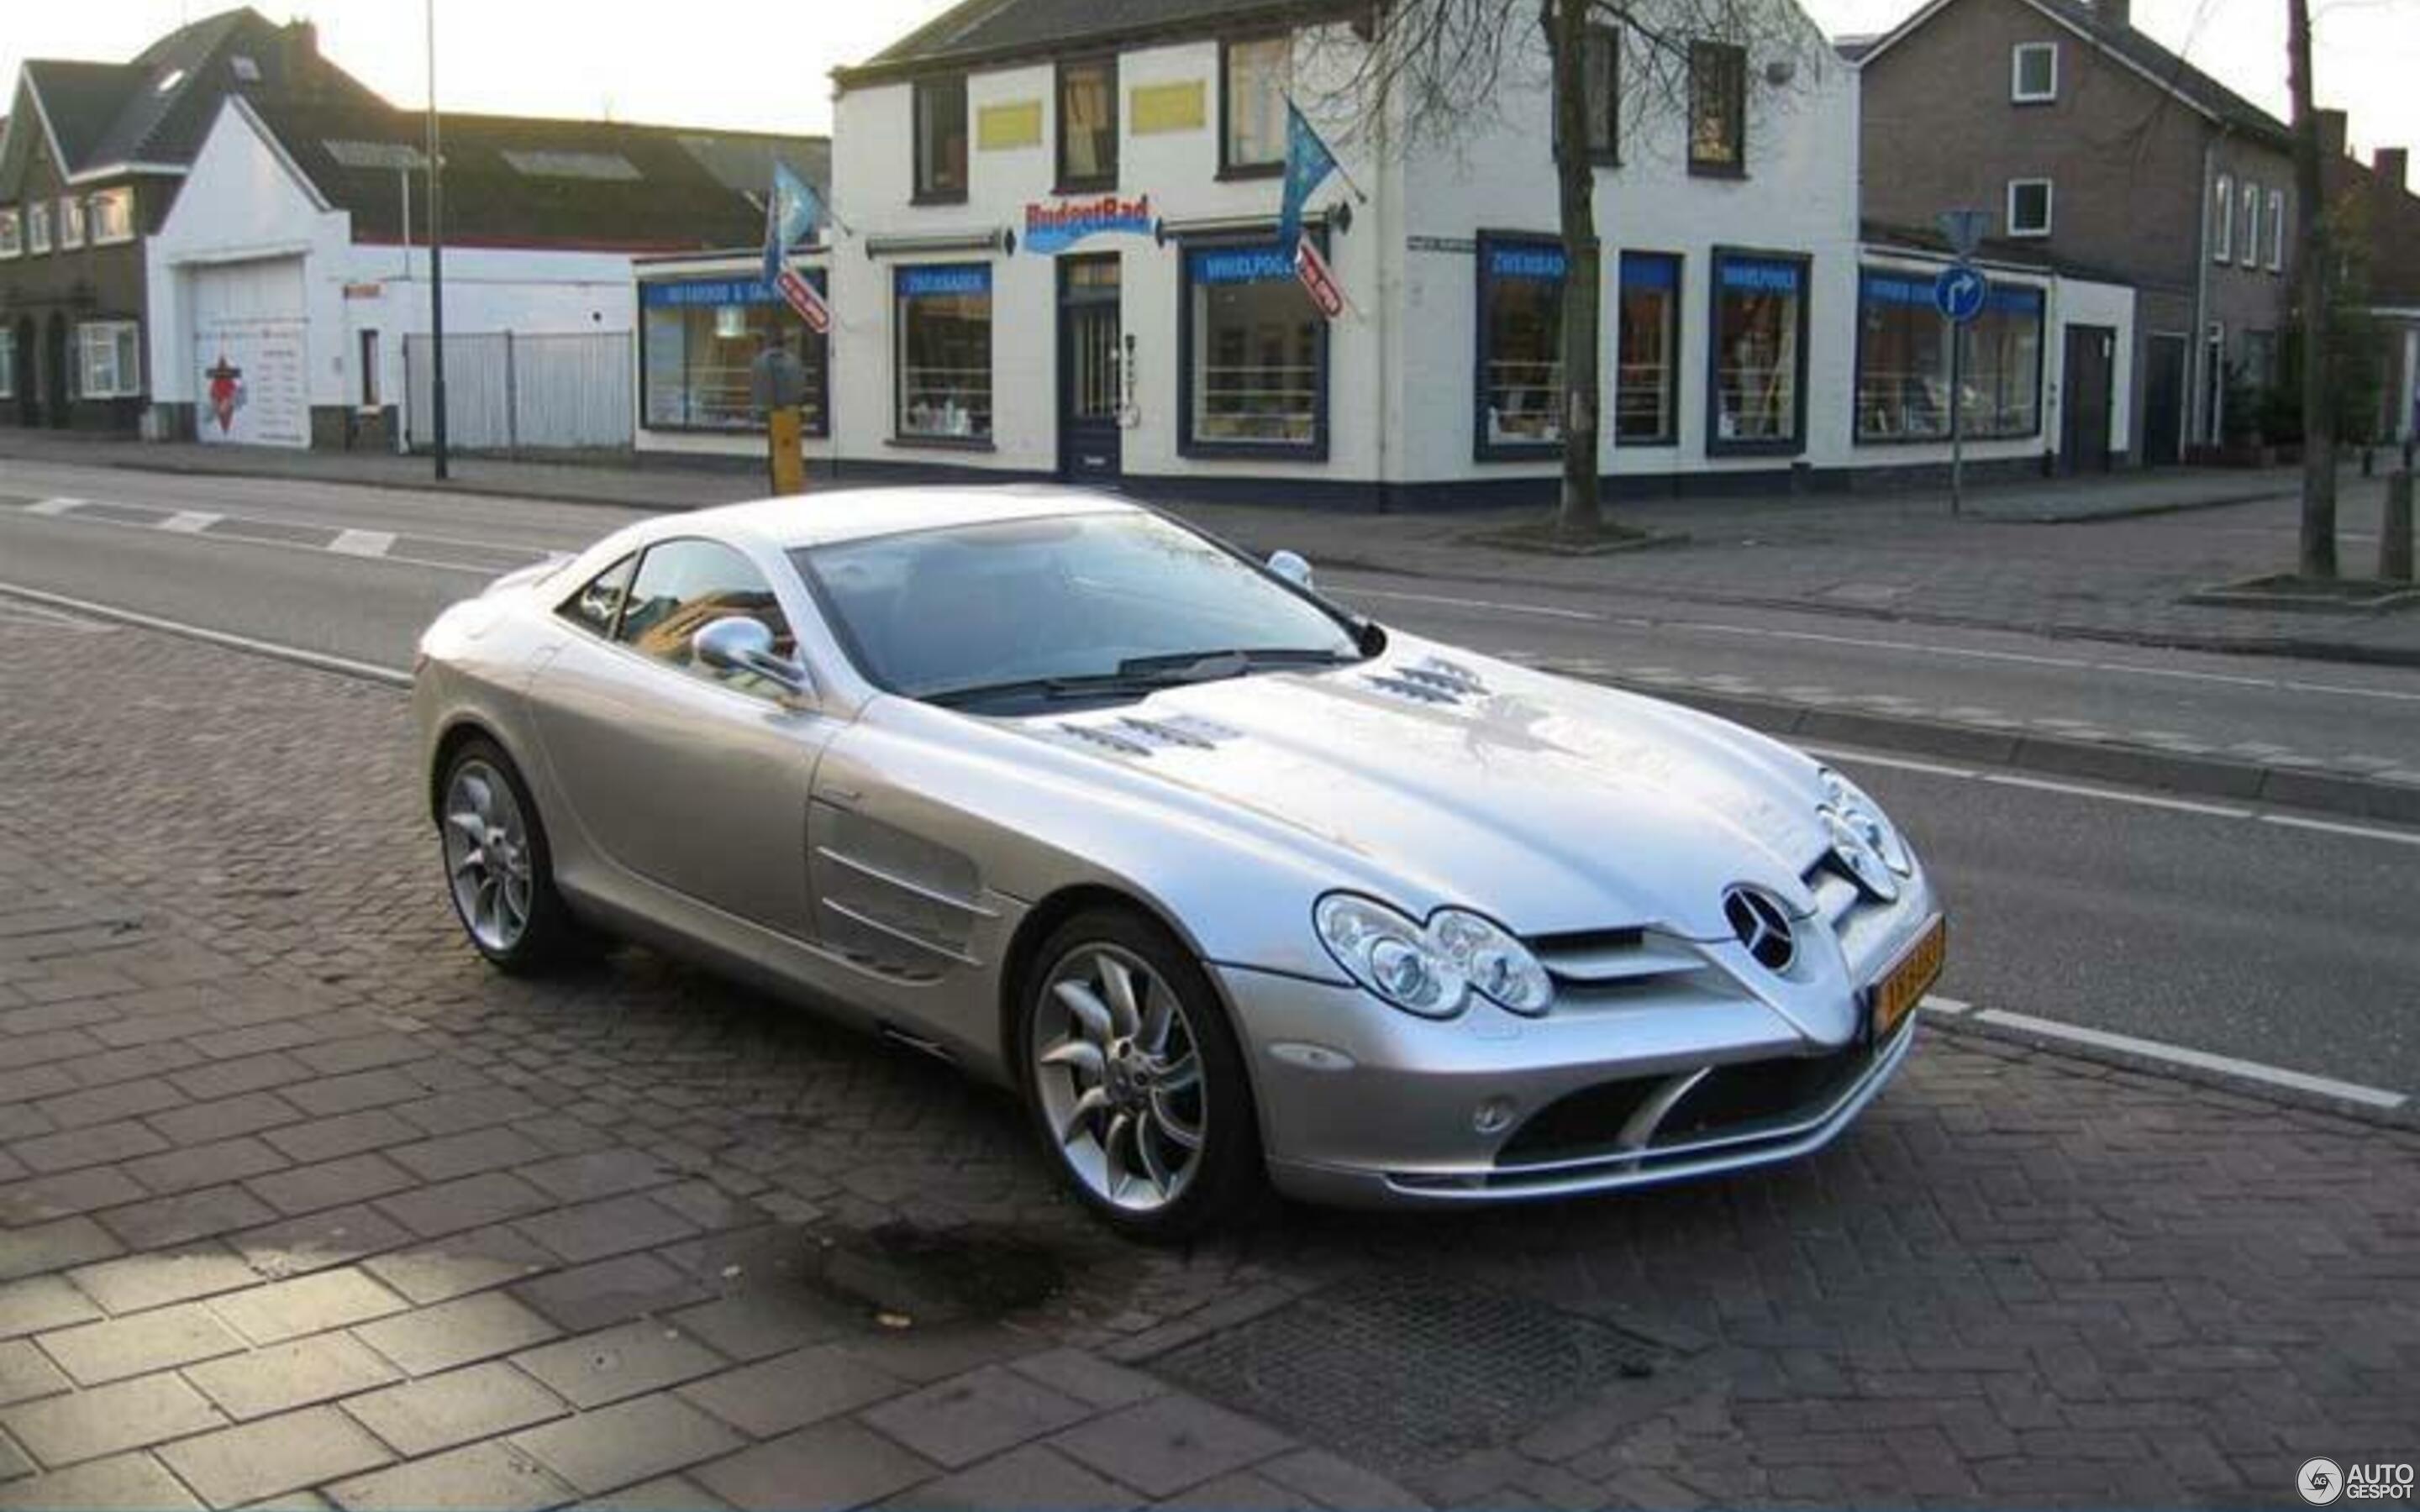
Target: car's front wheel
1135,1081
498,869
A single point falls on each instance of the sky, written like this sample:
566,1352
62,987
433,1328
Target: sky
755,65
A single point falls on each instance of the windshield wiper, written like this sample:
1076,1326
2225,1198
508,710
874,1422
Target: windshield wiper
1207,666
1137,675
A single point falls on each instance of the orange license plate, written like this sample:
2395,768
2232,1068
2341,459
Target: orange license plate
1908,980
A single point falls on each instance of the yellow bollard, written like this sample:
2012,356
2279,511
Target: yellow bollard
788,462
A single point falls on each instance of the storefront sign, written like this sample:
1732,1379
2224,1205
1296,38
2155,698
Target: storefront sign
1758,276
1317,280
804,298
1055,228
1540,263
966,278
692,292
252,384
1243,264
1153,108
1015,124
1917,289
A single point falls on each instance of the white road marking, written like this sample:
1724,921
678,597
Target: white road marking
1897,762
2011,779
1934,1002
54,506
2362,831
391,676
189,522
2201,1059
362,543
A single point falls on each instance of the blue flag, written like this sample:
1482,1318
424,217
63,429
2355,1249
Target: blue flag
1307,161
791,211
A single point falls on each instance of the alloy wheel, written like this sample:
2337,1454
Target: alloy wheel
487,856
1118,1070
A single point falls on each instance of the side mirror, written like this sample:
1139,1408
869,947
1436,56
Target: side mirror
1291,567
739,643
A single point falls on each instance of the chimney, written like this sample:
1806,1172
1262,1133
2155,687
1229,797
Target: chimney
2115,14
2392,169
2332,134
298,59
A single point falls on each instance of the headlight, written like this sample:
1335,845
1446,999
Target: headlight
1429,969
1865,818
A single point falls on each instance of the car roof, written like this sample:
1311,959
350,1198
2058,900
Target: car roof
825,518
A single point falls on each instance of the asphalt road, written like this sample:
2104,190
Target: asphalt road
2222,931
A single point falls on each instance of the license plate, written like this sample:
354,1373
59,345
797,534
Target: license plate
1905,983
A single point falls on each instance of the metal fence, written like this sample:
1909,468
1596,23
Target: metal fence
509,392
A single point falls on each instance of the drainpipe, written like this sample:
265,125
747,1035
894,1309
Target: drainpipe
1390,242
2198,407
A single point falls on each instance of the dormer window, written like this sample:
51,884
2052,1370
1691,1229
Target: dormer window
245,70
12,233
2033,73
168,80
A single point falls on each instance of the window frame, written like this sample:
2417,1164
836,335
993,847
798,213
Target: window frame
1188,445
1731,53
114,333
37,227
1482,448
1796,442
900,436
2250,257
692,671
12,233
2223,243
2277,230
2018,93
70,232
7,360
563,611
120,195
1228,167
2050,196
1608,155
1064,182
818,428
919,193
1857,371
1678,306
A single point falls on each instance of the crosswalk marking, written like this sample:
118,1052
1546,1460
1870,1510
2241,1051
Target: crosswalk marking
191,521
54,506
362,543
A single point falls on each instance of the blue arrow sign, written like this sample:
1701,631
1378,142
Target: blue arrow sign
1958,293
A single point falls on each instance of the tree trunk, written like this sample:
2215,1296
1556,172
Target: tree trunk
1578,515
2316,275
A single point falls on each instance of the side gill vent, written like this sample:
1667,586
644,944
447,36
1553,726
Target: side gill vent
1107,738
1431,680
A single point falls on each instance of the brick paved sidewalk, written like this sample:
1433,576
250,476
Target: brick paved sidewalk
300,1202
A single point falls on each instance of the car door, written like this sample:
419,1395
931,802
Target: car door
693,778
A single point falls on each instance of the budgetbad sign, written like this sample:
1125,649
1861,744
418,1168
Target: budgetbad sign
1058,224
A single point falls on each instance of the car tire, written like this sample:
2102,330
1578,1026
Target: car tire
1138,1177
500,880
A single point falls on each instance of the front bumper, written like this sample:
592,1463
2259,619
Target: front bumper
1362,1105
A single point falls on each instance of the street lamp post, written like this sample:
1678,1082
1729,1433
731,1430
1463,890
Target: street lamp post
436,257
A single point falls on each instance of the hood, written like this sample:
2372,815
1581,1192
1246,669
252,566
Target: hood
1553,806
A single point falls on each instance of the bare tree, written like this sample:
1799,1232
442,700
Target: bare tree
2314,242
1445,69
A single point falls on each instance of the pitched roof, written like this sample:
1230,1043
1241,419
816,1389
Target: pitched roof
2144,55
528,182
999,31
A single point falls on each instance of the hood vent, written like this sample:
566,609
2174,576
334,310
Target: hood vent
1430,680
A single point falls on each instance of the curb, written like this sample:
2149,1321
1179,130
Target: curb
2125,765
538,492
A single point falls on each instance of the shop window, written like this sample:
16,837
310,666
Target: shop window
110,216
2222,217
37,227
1718,108
12,233
2028,207
1253,80
70,223
1520,348
941,108
2033,73
1252,358
109,359
698,341
1903,361
2277,230
1647,359
1088,125
944,353
2251,226
7,363
1757,367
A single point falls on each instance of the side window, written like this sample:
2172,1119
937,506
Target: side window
683,587
599,599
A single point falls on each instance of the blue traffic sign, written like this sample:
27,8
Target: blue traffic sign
1958,293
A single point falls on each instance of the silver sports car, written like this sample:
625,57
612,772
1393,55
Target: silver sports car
1230,884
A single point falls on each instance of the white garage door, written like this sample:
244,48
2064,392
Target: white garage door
250,347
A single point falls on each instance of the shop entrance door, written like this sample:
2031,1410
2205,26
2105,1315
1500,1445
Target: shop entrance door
2163,401
2083,408
1090,366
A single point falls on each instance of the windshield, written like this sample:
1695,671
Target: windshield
1103,604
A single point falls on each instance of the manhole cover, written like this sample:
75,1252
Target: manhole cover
1411,1371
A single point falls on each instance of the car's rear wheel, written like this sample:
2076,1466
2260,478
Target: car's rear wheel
498,870
1135,1081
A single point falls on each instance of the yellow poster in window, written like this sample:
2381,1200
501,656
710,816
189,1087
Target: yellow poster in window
1016,124
1168,107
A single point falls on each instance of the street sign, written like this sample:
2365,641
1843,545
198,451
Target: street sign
803,297
1313,269
1958,293
1965,230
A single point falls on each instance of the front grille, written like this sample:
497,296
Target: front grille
1579,1124
1736,1099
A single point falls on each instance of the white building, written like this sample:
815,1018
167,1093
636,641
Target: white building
289,285
1050,258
